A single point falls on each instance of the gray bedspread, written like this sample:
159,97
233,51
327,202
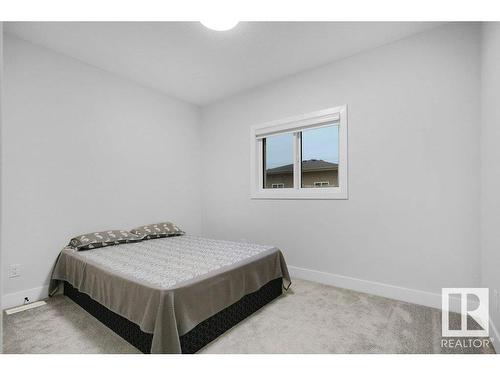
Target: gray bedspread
168,286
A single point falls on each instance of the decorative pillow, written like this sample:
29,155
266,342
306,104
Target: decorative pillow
100,239
147,232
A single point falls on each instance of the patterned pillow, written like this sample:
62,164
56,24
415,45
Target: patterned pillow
147,232
100,239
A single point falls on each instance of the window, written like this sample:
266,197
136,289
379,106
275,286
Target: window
304,157
320,157
277,154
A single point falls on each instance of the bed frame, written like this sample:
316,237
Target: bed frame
192,341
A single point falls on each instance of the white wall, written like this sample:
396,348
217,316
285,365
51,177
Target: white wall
490,162
84,150
412,219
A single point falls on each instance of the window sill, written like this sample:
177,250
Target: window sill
296,194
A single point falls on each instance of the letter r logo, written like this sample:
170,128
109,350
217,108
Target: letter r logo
458,299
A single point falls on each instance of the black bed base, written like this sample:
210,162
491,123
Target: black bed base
192,341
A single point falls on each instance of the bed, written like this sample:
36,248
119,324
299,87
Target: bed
173,294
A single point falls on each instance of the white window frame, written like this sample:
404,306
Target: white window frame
295,125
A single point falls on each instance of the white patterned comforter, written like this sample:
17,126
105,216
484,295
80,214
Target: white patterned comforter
165,262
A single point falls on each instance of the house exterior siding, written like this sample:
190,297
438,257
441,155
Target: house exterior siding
308,179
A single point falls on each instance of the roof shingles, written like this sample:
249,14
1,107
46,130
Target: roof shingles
312,165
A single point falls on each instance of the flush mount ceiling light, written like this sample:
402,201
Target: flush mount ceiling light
219,24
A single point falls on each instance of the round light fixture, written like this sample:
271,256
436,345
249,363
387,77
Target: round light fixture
219,24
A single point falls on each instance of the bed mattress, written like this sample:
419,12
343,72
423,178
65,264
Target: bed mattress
170,285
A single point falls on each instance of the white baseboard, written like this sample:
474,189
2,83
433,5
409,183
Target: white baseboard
17,299
416,296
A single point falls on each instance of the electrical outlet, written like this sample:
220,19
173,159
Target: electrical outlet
14,270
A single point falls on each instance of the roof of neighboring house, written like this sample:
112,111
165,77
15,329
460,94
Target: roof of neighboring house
312,165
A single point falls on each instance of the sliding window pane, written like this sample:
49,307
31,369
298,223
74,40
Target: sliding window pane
278,161
320,157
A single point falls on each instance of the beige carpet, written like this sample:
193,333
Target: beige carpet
310,318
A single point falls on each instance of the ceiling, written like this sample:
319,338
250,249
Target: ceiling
193,63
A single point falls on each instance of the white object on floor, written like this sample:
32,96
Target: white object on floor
25,307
